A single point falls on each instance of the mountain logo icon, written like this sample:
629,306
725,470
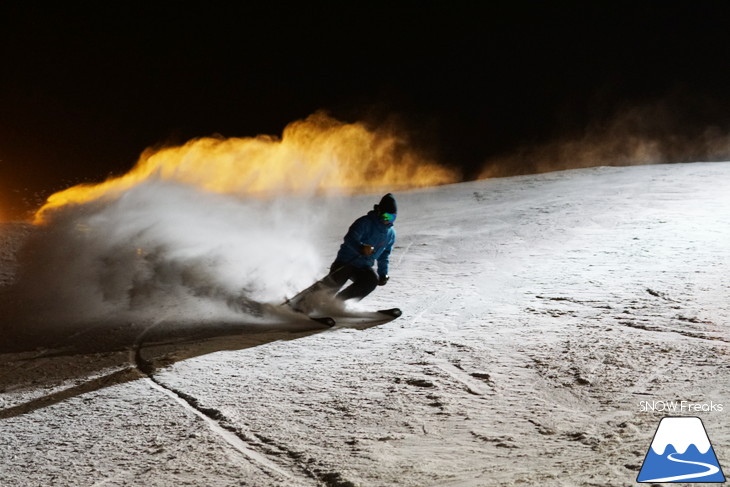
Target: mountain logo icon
681,452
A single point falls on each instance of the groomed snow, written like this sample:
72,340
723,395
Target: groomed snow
539,311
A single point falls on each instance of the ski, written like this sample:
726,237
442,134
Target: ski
394,312
367,318
327,321
324,320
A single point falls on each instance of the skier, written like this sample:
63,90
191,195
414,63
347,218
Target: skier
369,239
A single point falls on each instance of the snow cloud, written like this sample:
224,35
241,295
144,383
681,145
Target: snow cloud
212,227
166,249
661,132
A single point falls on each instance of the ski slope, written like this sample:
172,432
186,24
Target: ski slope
538,312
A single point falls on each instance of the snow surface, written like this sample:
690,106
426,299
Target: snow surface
539,311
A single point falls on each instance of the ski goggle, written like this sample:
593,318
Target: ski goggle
388,217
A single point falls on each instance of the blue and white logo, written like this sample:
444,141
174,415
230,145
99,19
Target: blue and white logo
681,452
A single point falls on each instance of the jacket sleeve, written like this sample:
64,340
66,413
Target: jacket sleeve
355,234
384,259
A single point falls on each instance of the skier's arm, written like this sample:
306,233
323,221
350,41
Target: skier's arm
384,259
354,236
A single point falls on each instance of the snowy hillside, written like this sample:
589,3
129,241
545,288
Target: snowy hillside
539,311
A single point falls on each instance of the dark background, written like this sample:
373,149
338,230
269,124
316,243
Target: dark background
85,88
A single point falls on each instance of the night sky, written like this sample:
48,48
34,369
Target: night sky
84,90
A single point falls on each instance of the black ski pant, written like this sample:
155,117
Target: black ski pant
364,280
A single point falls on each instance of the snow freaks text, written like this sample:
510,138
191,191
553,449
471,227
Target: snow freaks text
679,407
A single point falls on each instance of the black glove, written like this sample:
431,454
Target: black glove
383,280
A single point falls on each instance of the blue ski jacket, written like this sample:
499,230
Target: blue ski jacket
368,230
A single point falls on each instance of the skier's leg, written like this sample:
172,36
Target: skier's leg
331,283
339,274
364,282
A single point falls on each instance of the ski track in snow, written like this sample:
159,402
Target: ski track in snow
539,311
211,418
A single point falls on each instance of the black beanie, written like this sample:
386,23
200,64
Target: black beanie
387,204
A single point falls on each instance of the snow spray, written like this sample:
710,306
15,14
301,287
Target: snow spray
198,229
166,247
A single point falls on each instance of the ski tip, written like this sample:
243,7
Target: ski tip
394,312
325,320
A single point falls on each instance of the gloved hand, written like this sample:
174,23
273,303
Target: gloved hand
367,250
383,280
